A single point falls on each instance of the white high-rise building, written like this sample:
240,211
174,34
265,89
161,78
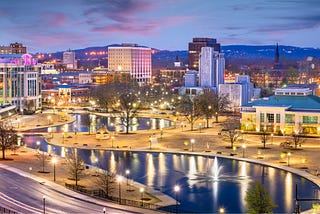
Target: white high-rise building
131,58
211,68
69,60
20,82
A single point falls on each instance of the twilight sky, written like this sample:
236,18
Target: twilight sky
57,25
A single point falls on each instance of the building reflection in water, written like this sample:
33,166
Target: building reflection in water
162,172
288,191
151,172
113,163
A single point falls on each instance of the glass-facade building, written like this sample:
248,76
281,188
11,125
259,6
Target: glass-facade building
20,82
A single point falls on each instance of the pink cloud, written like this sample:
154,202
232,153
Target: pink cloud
143,27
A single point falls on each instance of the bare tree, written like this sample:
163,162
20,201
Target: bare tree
189,107
75,165
127,105
105,178
231,131
8,138
298,138
264,136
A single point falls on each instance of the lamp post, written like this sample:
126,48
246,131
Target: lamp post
119,179
244,146
176,190
221,210
127,175
271,138
44,204
75,129
141,192
49,118
161,133
150,142
38,144
54,161
289,154
192,142
200,124
104,210
112,137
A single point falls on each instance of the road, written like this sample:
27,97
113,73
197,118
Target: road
25,195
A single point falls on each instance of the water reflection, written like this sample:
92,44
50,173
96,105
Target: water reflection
92,122
202,188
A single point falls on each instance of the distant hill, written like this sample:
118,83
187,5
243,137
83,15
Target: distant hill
164,58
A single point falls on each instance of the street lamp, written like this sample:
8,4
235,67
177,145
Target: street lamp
244,146
49,118
119,179
141,192
44,204
221,210
104,210
271,138
176,190
289,154
127,175
75,129
150,142
200,124
54,161
192,142
112,137
38,144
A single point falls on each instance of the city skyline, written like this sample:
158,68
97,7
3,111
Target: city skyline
50,26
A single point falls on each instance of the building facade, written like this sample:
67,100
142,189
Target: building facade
20,82
133,59
288,111
195,49
13,48
211,68
69,60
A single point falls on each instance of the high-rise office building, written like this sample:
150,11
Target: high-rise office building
133,59
69,59
13,48
211,68
195,49
20,82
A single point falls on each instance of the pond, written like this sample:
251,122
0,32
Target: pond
207,183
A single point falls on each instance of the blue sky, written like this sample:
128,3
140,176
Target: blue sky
57,25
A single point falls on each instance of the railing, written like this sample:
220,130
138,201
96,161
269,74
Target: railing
4,210
102,195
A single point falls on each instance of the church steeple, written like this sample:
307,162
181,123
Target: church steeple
276,58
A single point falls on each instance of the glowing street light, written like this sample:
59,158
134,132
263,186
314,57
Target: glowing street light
244,146
221,210
176,190
119,180
141,192
192,142
127,175
289,154
54,161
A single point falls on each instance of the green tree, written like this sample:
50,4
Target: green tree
258,200
8,139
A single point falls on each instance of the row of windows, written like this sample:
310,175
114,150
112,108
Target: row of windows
289,118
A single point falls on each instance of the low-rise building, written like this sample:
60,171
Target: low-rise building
290,110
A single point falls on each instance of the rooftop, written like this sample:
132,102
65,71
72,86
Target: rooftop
294,102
